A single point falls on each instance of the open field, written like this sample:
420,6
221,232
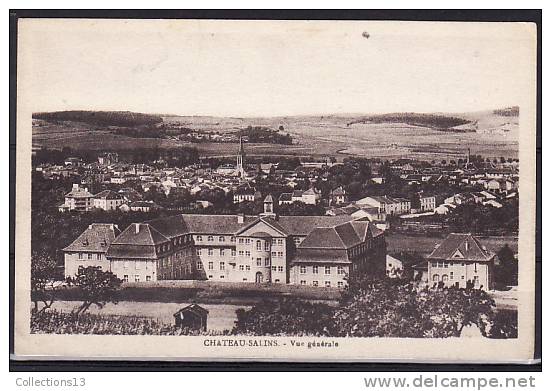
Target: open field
489,135
221,316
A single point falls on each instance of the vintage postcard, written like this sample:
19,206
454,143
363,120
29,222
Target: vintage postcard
275,190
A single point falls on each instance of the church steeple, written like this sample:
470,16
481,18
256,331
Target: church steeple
239,169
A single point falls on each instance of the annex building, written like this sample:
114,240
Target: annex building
305,250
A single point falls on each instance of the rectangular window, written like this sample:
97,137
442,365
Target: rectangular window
274,241
247,254
248,267
244,279
210,238
211,265
327,269
198,251
241,240
280,242
280,253
314,269
148,278
199,238
98,256
451,275
302,282
280,269
340,270
241,253
340,284
315,283
222,265
274,254
199,265
89,256
125,278
221,252
276,280
274,268
241,267
266,246
258,261
233,252
80,256
247,241
137,278
266,261
327,284
221,239
222,276
232,239
303,270
258,245
210,252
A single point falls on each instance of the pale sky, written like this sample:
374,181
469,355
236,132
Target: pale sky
269,68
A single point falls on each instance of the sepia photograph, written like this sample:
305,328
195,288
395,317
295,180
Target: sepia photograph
275,190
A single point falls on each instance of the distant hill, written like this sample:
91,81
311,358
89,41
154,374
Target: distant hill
434,121
512,111
104,118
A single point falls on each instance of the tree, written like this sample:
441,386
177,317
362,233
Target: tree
43,280
96,286
507,270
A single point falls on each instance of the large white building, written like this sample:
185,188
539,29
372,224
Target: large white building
305,250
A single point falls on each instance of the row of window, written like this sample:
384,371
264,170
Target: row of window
445,277
222,252
327,269
138,264
90,256
136,278
210,238
446,265
327,284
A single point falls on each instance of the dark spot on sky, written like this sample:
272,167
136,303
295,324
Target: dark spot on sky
365,34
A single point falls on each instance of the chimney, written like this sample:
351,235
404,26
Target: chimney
90,226
137,226
241,218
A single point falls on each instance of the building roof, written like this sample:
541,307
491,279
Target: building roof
79,192
108,195
285,197
269,198
462,247
342,236
96,238
303,225
139,240
195,308
321,255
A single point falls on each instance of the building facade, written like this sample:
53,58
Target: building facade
259,249
460,260
90,249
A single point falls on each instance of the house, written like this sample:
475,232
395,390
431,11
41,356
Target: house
394,266
73,161
108,200
461,260
192,317
258,249
90,248
246,193
311,196
338,196
285,198
428,203
388,205
108,159
79,199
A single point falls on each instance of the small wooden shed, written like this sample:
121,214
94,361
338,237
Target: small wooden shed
193,316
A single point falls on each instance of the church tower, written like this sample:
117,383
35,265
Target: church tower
239,169
269,207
